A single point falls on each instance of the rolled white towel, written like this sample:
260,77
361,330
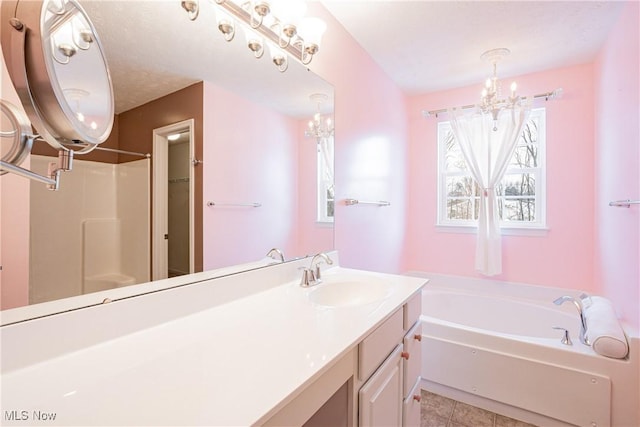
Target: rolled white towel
603,329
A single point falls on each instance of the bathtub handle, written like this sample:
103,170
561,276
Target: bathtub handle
566,339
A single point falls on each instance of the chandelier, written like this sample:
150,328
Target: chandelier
320,126
491,102
279,24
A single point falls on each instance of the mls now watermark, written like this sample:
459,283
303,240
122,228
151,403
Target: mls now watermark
18,415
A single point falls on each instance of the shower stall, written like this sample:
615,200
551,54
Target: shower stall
93,233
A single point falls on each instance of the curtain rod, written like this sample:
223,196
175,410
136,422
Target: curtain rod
111,150
115,150
547,96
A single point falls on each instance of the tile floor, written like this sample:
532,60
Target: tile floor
439,411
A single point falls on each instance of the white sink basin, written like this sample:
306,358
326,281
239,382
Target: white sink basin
337,293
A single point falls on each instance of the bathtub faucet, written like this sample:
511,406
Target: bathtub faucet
583,322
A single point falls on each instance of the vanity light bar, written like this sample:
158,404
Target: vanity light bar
282,35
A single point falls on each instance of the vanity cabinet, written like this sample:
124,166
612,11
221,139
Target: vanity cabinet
389,365
381,396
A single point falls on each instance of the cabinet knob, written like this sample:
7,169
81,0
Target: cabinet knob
417,397
405,355
417,337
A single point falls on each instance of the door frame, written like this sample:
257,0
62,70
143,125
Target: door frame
160,214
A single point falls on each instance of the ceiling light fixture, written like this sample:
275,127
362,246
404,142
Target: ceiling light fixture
280,23
490,101
320,126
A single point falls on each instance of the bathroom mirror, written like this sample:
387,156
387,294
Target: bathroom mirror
144,68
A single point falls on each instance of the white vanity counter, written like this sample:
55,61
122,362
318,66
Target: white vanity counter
140,362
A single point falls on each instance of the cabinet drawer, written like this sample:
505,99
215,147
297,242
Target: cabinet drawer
412,309
380,398
411,407
413,349
377,346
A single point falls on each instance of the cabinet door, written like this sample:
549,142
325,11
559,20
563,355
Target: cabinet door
380,398
413,352
411,407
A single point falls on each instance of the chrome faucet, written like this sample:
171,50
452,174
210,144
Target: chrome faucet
583,322
276,254
312,276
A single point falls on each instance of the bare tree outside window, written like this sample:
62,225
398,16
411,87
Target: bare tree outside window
520,191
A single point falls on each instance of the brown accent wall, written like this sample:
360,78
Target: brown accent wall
135,133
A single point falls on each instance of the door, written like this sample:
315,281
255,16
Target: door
182,242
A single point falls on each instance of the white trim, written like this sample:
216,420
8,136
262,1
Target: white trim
504,230
321,192
538,227
160,247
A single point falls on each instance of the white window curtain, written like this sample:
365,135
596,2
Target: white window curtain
325,146
487,153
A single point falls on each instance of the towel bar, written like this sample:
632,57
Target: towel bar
351,202
624,203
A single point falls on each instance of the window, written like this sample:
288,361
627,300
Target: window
521,193
325,187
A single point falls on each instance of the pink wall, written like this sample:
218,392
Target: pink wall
370,156
617,109
561,256
237,159
14,224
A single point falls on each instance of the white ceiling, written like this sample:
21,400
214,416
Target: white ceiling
426,46
153,48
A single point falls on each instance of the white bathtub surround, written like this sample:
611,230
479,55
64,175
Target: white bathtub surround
603,329
193,355
101,254
100,211
492,344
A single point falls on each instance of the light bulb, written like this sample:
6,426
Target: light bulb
311,30
514,86
289,12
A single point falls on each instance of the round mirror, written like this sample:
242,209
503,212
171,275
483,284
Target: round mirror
14,134
67,92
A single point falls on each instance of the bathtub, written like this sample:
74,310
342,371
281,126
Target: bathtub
493,344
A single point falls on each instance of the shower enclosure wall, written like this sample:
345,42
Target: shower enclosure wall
92,234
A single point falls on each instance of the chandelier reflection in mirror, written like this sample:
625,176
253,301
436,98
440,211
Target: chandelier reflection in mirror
321,129
320,126
279,24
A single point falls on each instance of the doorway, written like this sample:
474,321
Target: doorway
173,200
